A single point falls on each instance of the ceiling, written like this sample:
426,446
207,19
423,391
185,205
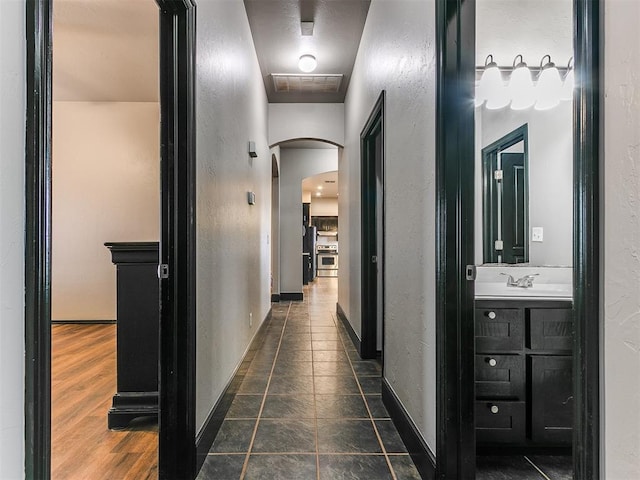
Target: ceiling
324,184
105,50
277,36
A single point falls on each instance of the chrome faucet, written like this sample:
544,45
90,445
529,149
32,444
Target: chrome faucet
523,282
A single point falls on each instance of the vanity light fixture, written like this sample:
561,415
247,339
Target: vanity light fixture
491,87
520,87
549,85
568,83
307,63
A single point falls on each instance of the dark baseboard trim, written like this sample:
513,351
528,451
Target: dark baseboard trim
420,452
85,322
275,297
212,425
291,297
352,333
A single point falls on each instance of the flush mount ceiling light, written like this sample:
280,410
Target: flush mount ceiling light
492,87
307,63
520,87
549,85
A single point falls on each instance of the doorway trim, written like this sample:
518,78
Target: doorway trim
455,24
368,308
177,339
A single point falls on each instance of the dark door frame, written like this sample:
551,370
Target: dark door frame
369,292
455,24
177,324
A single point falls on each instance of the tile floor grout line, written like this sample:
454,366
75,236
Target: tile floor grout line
315,403
366,405
264,398
536,467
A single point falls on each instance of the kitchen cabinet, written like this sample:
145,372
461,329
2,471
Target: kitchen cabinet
523,373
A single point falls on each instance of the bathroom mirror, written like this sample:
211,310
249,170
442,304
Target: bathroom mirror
541,224
505,199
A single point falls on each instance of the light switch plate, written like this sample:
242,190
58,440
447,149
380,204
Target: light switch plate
537,234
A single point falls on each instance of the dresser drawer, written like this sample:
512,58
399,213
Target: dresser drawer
500,376
500,422
551,328
499,329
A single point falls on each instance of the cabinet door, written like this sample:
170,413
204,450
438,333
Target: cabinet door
551,328
551,399
499,329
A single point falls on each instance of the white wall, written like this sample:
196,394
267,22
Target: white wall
550,167
323,207
621,387
106,188
233,256
320,121
12,128
297,164
397,54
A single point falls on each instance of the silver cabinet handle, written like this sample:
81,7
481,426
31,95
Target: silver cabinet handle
494,409
492,362
491,315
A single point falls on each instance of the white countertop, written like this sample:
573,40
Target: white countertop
550,283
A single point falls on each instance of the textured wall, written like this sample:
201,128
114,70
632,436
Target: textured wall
106,188
233,256
531,28
320,121
12,123
297,164
397,54
622,240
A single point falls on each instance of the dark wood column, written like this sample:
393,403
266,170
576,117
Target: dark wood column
138,319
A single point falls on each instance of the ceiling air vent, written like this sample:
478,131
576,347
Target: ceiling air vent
309,83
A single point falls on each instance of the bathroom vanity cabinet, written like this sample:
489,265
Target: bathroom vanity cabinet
523,372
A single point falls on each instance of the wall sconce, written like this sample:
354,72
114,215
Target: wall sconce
568,83
549,85
520,86
521,92
252,149
491,88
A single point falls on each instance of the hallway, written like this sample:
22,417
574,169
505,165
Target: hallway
309,407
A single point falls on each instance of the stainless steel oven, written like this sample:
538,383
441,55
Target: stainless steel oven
327,260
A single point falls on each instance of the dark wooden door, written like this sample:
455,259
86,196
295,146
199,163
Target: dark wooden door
514,231
372,204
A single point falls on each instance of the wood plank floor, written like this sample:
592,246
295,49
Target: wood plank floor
83,380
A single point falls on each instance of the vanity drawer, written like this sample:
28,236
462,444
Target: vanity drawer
500,422
551,328
499,329
500,376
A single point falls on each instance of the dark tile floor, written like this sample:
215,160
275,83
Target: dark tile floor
309,407
529,467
